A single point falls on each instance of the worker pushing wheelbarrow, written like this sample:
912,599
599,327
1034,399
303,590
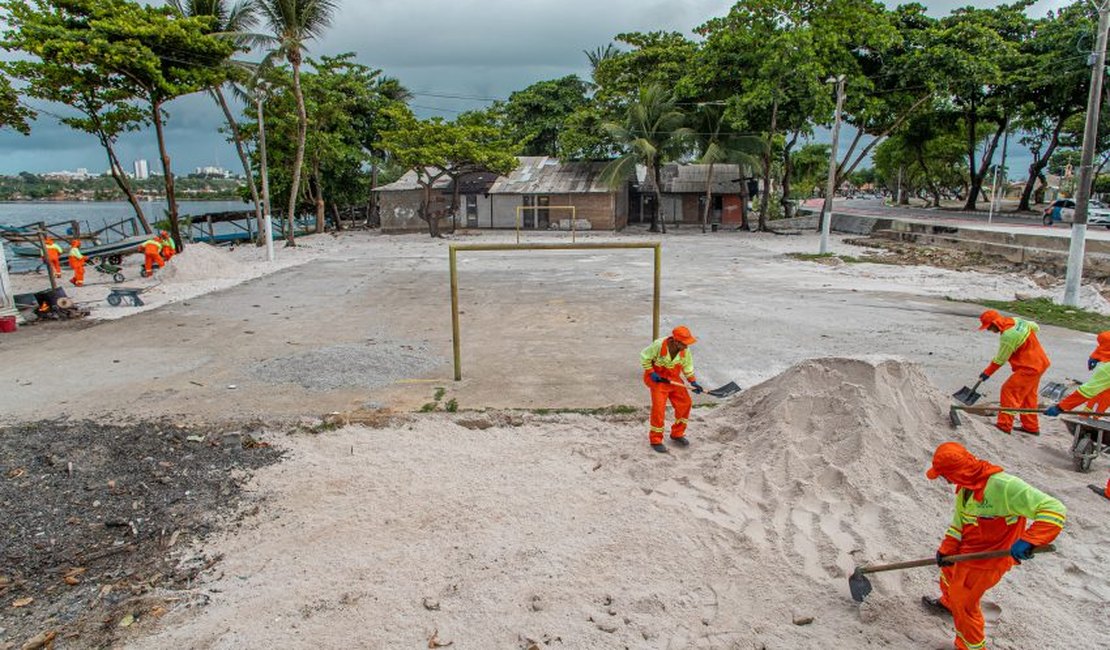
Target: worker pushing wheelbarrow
104,265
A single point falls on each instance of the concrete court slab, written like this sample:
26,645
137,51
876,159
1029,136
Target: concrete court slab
540,329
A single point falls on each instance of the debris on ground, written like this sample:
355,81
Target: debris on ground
95,520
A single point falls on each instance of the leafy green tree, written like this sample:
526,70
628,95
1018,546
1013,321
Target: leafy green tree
717,142
652,134
292,23
536,115
655,58
926,158
13,115
231,21
433,149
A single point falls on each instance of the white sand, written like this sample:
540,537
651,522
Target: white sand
567,532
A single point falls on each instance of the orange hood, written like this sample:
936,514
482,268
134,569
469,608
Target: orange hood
955,463
992,317
1102,350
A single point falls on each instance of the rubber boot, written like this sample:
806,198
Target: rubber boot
681,442
661,448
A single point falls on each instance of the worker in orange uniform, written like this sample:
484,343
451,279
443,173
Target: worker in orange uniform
1093,393
77,263
665,362
151,250
169,249
1017,344
53,256
992,509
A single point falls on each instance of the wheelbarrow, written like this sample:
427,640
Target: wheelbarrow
117,295
1090,438
105,266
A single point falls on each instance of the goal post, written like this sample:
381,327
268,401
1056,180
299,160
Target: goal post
453,255
520,209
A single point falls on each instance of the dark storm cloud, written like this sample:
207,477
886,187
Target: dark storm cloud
477,48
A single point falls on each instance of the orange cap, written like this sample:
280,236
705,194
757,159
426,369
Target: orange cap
1102,350
164,233
988,318
682,335
75,242
48,240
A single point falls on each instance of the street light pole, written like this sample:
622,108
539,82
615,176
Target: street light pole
826,209
1083,192
259,98
999,169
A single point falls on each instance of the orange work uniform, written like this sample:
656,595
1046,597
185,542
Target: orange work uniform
169,249
53,254
1095,392
1019,345
656,358
151,250
77,263
992,508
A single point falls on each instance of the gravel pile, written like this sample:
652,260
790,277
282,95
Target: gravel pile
350,365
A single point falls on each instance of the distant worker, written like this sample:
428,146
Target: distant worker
53,256
151,250
665,362
1017,344
169,249
992,508
77,263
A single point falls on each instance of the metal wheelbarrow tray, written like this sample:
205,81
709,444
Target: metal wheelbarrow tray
1090,439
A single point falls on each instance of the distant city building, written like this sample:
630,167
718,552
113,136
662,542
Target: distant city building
212,172
142,172
81,174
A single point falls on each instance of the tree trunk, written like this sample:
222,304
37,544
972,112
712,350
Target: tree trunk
426,210
1038,165
237,137
298,160
980,175
787,171
121,180
765,204
167,175
744,198
321,213
842,172
708,197
656,173
374,211
338,219
263,168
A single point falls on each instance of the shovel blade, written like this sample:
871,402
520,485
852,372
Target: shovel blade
1055,391
724,391
859,585
966,395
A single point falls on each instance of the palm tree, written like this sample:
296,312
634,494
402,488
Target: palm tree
233,22
291,24
717,143
652,134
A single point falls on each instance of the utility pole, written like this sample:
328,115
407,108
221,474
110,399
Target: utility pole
999,170
7,294
1083,193
826,210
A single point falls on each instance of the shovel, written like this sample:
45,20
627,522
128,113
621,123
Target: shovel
724,391
1055,390
860,586
954,412
968,395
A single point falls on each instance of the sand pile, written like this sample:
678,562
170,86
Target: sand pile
201,262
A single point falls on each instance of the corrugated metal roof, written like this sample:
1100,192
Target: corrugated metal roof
544,175
690,179
408,182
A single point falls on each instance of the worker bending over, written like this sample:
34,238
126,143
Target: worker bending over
992,508
665,362
53,256
1017,344
151,251
77,263
169,249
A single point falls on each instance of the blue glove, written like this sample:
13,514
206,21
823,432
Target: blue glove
1091,363
1021,550
1053,410
657,378
942,561
984,376
698,390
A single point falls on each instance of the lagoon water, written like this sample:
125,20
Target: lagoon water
94,215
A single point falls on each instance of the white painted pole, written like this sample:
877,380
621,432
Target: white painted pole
266,218
7,294
826,210
1083,192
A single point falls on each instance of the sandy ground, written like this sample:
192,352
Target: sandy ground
502,529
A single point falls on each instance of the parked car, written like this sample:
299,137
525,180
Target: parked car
1063,211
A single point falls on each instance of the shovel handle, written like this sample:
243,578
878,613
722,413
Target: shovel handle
989,410
964,557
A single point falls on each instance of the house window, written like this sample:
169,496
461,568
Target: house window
471,210
535,216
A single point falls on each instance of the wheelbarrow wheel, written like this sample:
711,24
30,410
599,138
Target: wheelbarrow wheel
114,299
115,259
144,273
118,277
1084,455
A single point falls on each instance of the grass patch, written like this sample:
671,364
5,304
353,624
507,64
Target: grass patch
1046,312
616,409
813,257
451,406
440,392
429,407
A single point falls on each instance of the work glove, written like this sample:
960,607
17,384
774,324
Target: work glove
657,378
1053,410
698,390
1091,363
942,560
1021,550
984,376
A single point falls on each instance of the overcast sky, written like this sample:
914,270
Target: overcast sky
440,50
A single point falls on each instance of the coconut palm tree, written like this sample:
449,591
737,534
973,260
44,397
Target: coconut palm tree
718,143
652,134
233,21
291,24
